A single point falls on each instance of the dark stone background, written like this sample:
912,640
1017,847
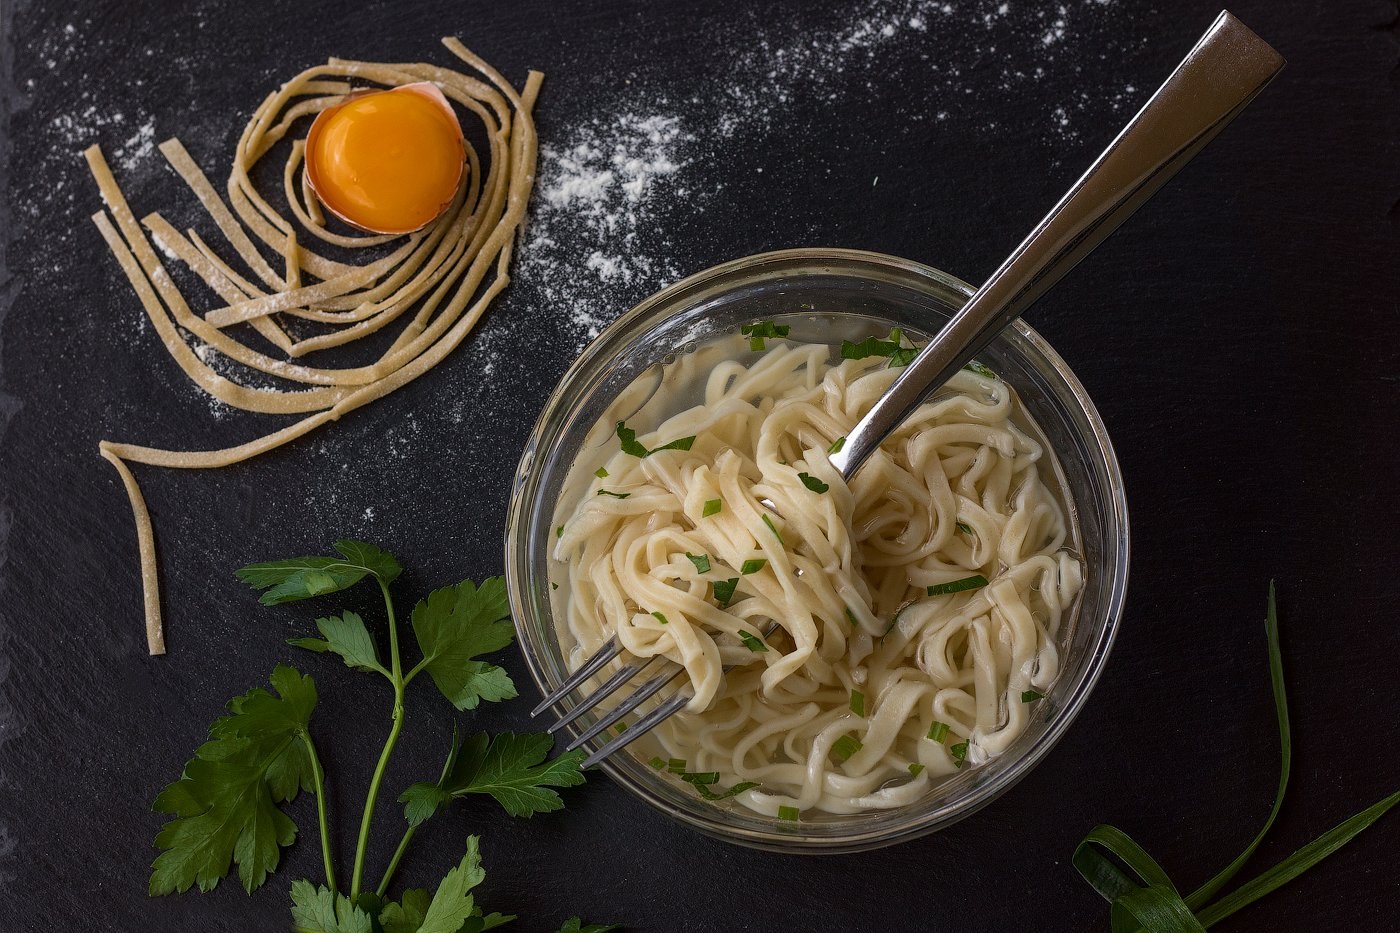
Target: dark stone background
1240,336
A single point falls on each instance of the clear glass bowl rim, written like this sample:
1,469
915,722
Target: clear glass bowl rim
622,332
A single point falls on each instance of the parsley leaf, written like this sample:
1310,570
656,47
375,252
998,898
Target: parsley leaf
812,483
510,767
305,577
452,903
576,925
724,590
701,562
979,369
406,916
758,330
873,346
346,636
320,910
225,803
734,791
630,444
453,626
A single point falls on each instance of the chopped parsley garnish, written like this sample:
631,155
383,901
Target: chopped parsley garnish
957,586
1030,696
959,753
757,331
789,813
658,762
938,732
965,528
701,561
724,590
676,766
773,528
915,769
836,445
845,747
712,507
701,777
753,566
660,618
630,444
752,642
601,472
737,789
979,369
851,617
559,532
857,703
812,483
554,586
615,495
874,346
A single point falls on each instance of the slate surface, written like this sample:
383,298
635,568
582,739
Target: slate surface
1241,338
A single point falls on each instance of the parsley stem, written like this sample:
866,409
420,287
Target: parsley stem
394,862
318,775
362,844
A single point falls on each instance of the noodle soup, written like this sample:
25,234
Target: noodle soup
846,647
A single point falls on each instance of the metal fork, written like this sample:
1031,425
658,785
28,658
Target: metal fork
1220,75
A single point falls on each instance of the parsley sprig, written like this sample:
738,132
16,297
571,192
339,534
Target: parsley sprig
1144,897
226,807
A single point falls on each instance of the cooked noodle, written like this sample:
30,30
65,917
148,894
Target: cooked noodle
844,584
442,277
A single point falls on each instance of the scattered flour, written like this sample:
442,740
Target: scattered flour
616,179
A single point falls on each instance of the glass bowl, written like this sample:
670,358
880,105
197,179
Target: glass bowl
825,295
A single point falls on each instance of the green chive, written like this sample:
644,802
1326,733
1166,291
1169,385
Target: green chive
812,483
845,747
676,766
701,562
657,762
915,769
789,813
615,495
957,586
724,590
701,777
1030,696
601,472
753,566
857,702
773,528
959,753
965,528
851,617
660,618
559,532
938,732
752,642
836,445
712,507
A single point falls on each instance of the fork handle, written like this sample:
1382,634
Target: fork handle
1223,73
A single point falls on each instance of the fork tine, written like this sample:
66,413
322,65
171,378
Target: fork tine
605,690
641,727
605,653
626,706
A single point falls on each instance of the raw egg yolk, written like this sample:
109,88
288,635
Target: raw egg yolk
388,162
